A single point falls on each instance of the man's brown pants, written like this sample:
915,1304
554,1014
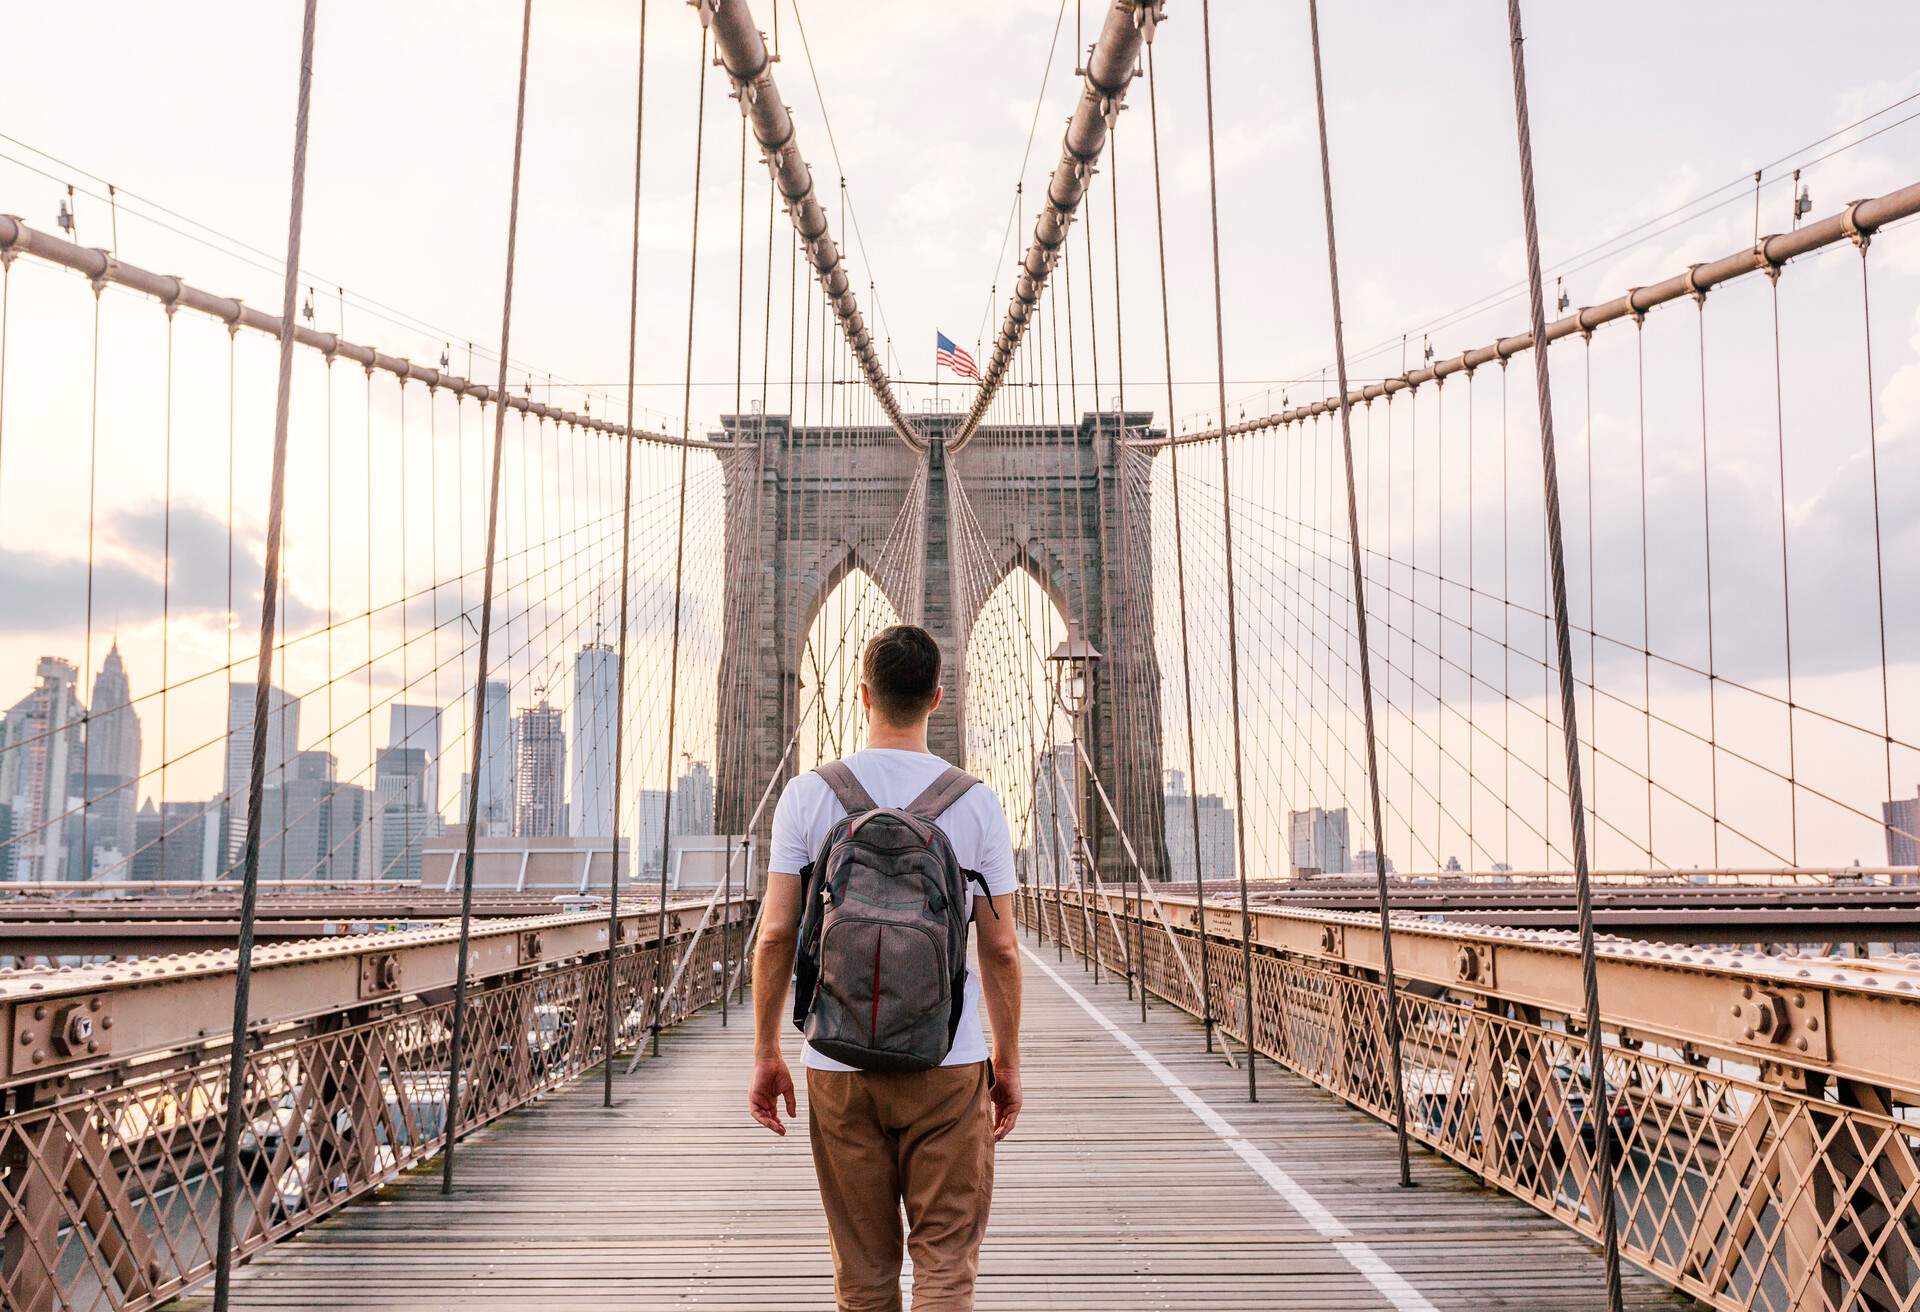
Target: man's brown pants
922,1138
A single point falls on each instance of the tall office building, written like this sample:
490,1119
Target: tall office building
313,826
40,740
177,841
419,727
496,767
402,819
1902,817
1216,849
540,772
650,842
596,708
1053,824
112,755
693,800
283,736
1318,839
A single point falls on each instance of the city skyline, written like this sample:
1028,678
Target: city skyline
74,803
128,827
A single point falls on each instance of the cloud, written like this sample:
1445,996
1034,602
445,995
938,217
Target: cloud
146,564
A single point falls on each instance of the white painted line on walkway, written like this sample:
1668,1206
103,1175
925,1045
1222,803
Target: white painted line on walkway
1390,1283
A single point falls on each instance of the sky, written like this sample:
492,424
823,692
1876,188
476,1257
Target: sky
1636,109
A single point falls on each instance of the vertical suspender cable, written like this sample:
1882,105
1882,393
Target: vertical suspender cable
680,544
457,1044
1129,635
230,1182
1599,1103
1180,559
626,544
1360,616
739,730
1226,530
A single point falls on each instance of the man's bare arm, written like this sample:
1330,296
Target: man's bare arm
1000,986
772,969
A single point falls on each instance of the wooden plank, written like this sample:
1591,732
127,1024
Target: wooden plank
1111,1195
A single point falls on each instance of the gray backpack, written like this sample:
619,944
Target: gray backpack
880,976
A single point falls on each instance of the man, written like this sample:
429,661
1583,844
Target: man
884,1139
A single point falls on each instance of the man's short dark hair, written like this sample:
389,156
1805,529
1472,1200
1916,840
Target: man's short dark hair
901,668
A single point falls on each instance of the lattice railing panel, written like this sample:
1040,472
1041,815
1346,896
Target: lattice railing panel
108,1198
1748,1196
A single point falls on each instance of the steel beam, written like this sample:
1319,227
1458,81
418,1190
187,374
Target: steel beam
1857,223
743,54
406,905
162,1004
101,268
1848,1018
1109,72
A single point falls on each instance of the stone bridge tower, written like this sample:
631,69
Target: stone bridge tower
818,503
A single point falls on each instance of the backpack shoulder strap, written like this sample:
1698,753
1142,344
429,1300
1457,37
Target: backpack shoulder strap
846,787
952,785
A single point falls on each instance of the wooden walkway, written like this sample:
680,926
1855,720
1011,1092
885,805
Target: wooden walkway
1117,1191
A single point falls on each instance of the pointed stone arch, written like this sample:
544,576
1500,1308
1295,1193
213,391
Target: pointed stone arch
815,504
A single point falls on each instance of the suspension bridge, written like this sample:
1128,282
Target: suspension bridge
1440,802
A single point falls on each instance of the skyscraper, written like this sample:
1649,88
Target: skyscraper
1319,840
596,707
539,772
496,766
1053,824
112,764
39,753
1902,817
693,800
419,726
402,819
1216,850
650,842
179,841
312,826
283,736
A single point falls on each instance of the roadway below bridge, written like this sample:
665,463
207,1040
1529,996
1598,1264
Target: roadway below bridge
1138,1178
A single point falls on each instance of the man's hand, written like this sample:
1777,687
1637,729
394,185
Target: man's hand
771,1082
1006,1102
772,968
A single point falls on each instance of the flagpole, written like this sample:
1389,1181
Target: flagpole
936,371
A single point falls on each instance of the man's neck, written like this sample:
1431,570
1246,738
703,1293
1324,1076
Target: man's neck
900,738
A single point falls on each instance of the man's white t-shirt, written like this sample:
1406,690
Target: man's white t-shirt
975,825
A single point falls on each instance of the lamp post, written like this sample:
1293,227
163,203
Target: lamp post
1070,670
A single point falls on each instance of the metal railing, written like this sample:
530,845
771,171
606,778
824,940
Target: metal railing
110,1160
1763,1108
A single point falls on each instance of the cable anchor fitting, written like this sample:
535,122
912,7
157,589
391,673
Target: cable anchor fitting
10,249
1850,224
1694,289
1148,15
1634,312
1768,265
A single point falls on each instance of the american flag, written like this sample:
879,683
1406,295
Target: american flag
953,357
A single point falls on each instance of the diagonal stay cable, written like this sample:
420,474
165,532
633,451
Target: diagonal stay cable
230,1179
457,1045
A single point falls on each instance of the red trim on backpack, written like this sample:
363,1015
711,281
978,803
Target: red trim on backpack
873,1021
